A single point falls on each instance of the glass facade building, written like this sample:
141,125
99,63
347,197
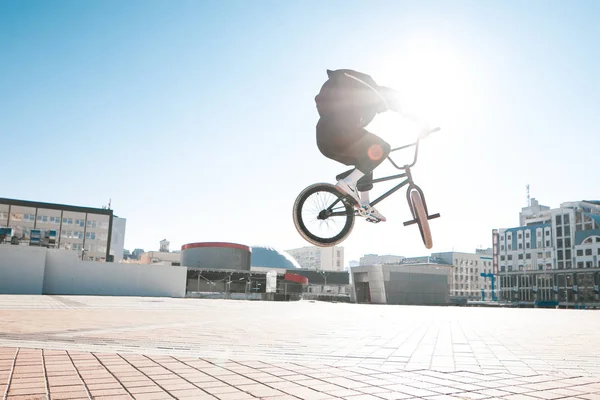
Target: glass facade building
82,229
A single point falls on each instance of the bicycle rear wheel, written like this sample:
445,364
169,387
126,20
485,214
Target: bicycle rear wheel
420,214
322,215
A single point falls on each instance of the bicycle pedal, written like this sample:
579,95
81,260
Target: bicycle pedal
434,216
407,223
373,221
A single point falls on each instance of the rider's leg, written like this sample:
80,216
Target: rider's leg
351,146
377,151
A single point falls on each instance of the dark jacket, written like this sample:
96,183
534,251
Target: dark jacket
353,97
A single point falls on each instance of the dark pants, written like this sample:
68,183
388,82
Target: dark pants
352,145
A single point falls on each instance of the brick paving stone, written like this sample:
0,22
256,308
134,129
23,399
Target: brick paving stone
391,352
153,396
234,396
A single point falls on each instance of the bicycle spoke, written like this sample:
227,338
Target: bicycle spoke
321,201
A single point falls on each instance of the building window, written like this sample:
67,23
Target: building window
588,264
567,219
579,253
588,252
567,230
520,246
539,233
520,236
527,234
568,254
509,257
547,243
527,246
502,268
559,231
561,265
520,256
548,254
558,220
502,247
568,264
568,242
510,268
502,258
528,256
559,243
560,255
580,264
540,266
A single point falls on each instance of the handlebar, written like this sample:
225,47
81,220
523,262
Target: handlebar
422,135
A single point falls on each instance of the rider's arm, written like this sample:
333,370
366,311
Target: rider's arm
391,96
392,99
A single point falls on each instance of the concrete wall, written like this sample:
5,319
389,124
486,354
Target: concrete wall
417,284
404,284
33,270
66,274
21,269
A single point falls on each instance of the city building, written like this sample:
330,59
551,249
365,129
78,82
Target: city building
319,258
267,257
414,283
467,281
553,257
215,256
327,282
117,239
85,230
375,259
137,253
160,257
164,246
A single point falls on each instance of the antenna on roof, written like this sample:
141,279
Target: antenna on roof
110,200
528,197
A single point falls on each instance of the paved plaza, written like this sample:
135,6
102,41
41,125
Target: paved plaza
55,347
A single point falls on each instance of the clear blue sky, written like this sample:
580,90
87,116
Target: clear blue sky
197,117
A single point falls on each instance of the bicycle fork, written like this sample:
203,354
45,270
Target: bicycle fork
412,186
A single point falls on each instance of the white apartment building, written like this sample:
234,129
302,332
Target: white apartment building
319,258
553,257
466,279
375,259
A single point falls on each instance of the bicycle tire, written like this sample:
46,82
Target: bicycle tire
300,223
420,214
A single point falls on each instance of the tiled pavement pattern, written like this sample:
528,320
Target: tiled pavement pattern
94,348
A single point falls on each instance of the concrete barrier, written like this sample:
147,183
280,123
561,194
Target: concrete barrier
31,270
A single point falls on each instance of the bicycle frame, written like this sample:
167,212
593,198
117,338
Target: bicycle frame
407,174
406,168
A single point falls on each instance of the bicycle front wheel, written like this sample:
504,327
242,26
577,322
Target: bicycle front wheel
420,214
322,215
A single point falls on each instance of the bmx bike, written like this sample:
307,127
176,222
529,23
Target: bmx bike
322,207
